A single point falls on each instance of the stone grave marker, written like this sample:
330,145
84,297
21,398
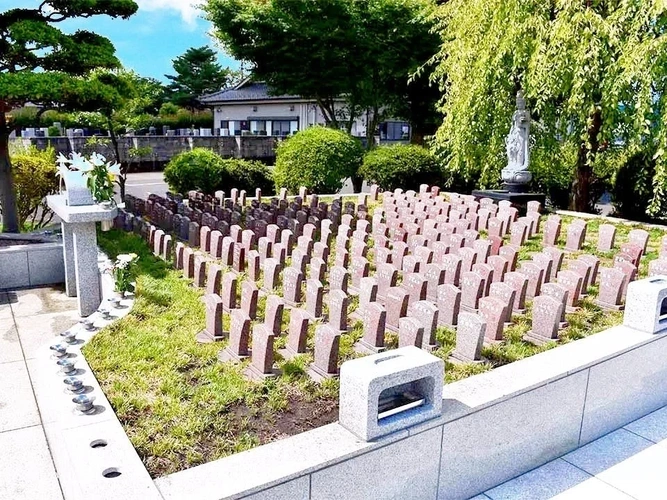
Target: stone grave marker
507,295
254,267
199,273
387,276
535,275
518,233
314,297
238,258
249,298
552,230
572,281
468,259
300,260
292,282
494,312
606,237
547,313
612,284
427,314
261,361
338,302
511,253
631,252
273,313
318,269
239,334
216,244
483,250
500,266
629,270
472,289
559,293
410,332
339,279
416,285
657,267
486,272
640,238
374,318
297,334
368,290
593,264
582,269
519,282
397,306
327,344
213,279
576,234
271,270
188,263
546,262
359,269
205,238
212,332
469,339
449,305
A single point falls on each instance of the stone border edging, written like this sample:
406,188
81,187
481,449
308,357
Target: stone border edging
86,447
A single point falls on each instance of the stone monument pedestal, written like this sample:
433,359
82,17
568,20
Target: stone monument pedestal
82,275
518,199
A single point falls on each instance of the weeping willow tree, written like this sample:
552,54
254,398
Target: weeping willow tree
594,73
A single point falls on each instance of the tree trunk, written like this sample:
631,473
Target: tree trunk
10,220
580,200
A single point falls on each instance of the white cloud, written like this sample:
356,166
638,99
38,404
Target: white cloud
187,8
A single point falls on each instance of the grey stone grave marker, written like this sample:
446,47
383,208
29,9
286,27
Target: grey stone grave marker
612,284
397,306
213,330
261,361
572,281
559,293
239,334
327,344
374,318
292,282
606,237
314,297
547,313
519,282
469,339
273,313
297,334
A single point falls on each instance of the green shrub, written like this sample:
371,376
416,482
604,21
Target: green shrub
35,177
207,171
404,166
318,158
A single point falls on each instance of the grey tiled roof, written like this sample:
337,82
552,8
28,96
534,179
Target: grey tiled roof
252,91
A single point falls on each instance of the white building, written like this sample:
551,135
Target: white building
249,108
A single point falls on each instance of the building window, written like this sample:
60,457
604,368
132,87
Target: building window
281,127
258,127
224,124
394,131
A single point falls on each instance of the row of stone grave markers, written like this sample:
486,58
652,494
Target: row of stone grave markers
450,276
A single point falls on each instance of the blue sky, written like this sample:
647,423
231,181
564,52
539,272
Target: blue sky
147,42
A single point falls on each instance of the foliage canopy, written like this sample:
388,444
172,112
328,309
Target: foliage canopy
594,74
404,166
40,63
317,158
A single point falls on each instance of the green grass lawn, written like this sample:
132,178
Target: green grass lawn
180,407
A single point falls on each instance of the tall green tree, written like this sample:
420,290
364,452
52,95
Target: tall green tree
39,63
362,51
198,73
594,73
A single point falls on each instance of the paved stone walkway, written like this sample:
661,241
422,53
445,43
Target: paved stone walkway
626,464
28,320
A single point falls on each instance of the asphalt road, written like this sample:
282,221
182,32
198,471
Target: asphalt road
144,183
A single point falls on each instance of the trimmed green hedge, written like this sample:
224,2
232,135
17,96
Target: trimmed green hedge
404,166
318,158
204,170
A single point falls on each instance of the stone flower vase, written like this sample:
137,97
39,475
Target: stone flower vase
107,225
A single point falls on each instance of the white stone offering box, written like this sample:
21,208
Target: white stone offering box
387,392
646,305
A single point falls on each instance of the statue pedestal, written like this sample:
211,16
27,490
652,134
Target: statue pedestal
518,199
82,275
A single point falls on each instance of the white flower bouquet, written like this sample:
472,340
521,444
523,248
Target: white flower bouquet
100,174
124,272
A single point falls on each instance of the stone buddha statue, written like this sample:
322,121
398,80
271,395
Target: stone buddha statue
517,144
